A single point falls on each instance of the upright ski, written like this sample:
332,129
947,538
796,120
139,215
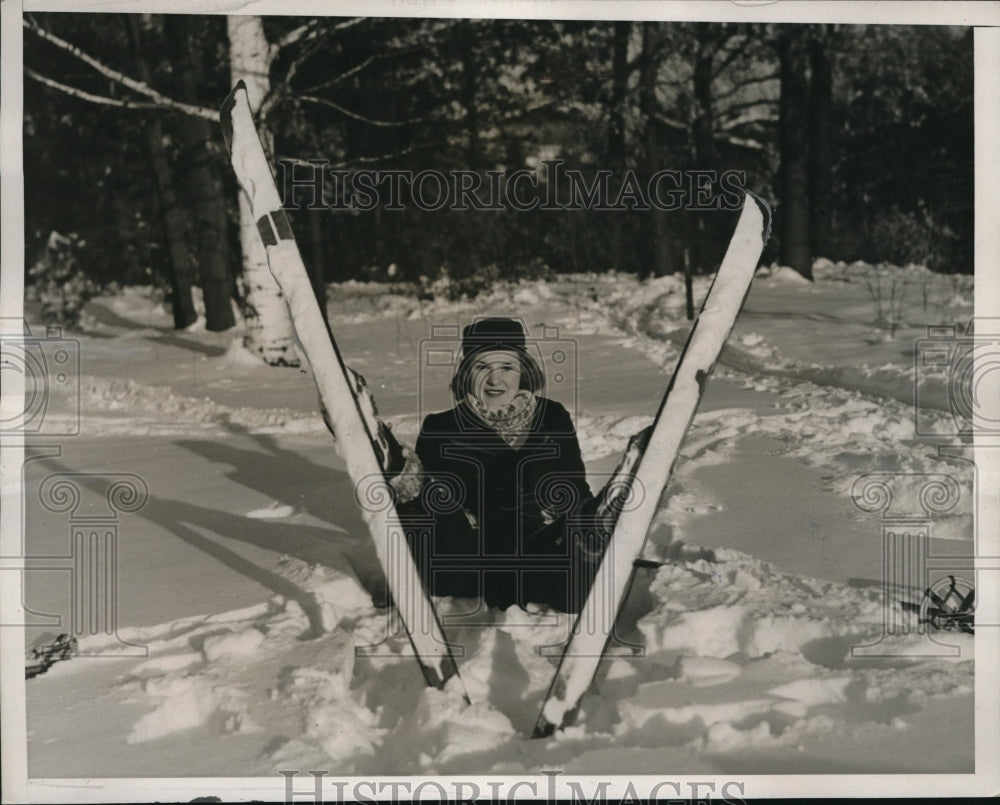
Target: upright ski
346,408
648,465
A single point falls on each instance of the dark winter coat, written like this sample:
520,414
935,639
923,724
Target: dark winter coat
514,546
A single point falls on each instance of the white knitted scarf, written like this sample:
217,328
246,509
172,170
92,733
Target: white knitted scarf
512,420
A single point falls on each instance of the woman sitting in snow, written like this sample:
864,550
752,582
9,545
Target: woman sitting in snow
509,527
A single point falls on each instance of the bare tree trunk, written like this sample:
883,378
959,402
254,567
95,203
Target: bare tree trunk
703,129
204,191
657,218
793,139
616,104
269,327
181,274
820,148
617,156
704,113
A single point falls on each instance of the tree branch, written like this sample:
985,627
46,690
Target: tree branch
669,122
296,35
280,91
310,30
310,36
673,80
729,111
347,74
763,79
88,96
725,34
356,161
741,142
730,57
742,120
355,115
117,76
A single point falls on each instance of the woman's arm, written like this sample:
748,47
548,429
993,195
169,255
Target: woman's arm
569,460
429,443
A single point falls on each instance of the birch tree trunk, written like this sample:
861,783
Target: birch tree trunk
269,327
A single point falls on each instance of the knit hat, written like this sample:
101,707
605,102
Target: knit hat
493,334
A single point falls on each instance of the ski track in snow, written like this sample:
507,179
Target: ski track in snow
736,653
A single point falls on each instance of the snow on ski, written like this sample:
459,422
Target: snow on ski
595,622
357,438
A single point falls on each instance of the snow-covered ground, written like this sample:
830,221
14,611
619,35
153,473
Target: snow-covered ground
248,583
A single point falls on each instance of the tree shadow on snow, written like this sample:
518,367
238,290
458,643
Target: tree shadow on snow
196,524
187,521
290,478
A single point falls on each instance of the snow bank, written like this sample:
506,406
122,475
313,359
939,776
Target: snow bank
705,671
738,606
814,691
115,407
235,644
779,273
188,702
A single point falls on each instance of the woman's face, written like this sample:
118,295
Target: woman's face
496,378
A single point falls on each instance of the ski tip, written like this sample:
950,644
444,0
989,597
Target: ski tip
765,211
226,118
226,113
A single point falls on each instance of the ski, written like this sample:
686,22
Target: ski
647,467
345,404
